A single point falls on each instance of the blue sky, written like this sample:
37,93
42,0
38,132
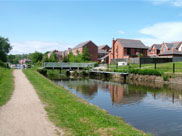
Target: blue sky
47,25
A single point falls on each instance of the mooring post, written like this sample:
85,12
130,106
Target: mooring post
140,64
173,67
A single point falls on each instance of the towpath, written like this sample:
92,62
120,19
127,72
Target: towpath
24,114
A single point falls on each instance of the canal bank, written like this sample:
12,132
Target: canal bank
74,115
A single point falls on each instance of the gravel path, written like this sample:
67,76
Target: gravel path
24,114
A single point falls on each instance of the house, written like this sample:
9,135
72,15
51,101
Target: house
173,53
155,49
59,54
104,47
92,49
24,61
169,46
127,48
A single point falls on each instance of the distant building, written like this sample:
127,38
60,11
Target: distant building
24,61
92,49
155,49
173,53
59,54
169,46
127,48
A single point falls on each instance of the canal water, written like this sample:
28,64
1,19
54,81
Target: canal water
151,109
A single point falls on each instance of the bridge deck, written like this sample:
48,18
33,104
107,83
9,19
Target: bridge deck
61,65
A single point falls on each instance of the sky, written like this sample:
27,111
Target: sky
47,25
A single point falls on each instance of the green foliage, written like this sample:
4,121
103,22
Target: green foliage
76,116
13,59
53,58
4,48
36,57
146,72
165,77
6,85
3,64
140,55
85,55
53,74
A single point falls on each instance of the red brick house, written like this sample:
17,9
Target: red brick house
169,46
59,54
127,48
92,49
104,47
155,49
173,53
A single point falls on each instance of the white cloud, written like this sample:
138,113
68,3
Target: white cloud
167,32
121,32
32,46
177,3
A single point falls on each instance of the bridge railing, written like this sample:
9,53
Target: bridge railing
67,65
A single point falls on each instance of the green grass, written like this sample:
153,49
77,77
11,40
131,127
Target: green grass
74,115
161,67
6,85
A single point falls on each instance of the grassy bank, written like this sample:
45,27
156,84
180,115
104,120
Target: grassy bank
161,67
6,85
74,115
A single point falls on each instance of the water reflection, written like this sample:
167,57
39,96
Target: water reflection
156,109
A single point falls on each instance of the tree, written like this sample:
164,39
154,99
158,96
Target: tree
53,58
85,55
36,57
4,48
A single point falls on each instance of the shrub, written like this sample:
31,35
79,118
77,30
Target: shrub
53,74
2,64
42,71
146,72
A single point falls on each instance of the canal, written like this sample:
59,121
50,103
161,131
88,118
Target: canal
151,109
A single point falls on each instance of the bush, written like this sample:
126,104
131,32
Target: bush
146,72
53,74
2,64
42,71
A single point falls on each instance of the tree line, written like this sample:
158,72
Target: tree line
37,57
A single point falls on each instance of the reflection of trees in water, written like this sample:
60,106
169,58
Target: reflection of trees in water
86,87
126,94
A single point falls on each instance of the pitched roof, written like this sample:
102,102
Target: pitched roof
102,46
157,46
82,44
171,52
130,43
102,51
172,45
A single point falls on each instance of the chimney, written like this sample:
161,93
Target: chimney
113,48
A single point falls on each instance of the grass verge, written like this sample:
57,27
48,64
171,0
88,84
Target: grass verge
6,85
74,115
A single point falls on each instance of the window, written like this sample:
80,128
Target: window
135,50
142,50
128,51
